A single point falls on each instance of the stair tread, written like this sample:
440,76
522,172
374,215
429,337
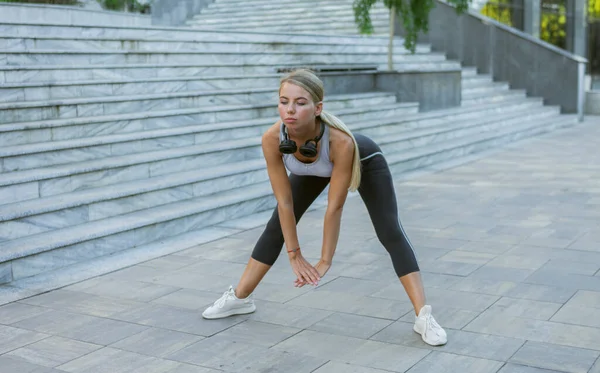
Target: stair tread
51,203
51,123
55,202
466,140
199,128
148,134
49,240
176,65
53,239
137,80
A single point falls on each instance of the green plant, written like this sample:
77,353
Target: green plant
413,13
133,6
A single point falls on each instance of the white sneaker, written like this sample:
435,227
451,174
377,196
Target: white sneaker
229,305
431,332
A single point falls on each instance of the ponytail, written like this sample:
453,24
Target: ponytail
337,123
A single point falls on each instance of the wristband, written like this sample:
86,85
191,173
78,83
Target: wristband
294,250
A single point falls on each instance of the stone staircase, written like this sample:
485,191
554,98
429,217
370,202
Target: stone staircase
122,144
305,16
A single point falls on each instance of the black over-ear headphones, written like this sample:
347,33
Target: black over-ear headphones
309,149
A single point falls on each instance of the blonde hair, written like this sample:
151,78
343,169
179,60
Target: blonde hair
307,80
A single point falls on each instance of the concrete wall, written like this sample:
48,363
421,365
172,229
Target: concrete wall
592,103
432,89
67,15
509,55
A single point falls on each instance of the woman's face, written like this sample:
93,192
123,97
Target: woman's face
297,109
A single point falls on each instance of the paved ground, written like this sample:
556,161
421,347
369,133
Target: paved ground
508,245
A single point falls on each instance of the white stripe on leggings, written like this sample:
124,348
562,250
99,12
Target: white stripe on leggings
370,156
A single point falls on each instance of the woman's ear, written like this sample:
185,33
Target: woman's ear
318,108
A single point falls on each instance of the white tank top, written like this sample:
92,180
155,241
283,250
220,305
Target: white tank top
321,166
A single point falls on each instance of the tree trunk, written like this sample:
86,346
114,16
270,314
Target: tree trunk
391,41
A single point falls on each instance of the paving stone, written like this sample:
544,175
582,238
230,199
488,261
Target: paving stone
350,325
196,300
177,319
12,338
258,333
536,330
459,342
117,361
9,364
550,277
449,268
15,312
287,315
489,272
53,351
525,308
516,368
572,267
276,362
477,285
390,357
555,357
467,257
335,367
156,342
80,327
78,302
445,362
218,353
541,293
320,345
131,290
348,303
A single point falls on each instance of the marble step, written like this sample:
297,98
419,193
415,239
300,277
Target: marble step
427,156
24,185
455,117
490,89
474,81
77,42
45,251
105,171
329,8
334,12
64,73
343,28
184,34
58,248
498,96
53,153
62,129
295,24
14,112
100,57
43,215
290,6
144,193
36,91
421,137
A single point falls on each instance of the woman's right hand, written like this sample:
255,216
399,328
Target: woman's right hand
303,269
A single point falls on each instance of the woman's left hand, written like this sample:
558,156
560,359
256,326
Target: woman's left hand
322,267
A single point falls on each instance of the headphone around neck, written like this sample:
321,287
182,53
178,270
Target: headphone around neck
309,149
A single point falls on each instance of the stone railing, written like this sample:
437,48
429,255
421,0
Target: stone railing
509,55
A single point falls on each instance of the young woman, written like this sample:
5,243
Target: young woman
318,149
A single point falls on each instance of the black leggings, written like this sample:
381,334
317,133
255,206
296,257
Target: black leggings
376,190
